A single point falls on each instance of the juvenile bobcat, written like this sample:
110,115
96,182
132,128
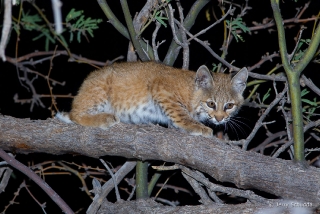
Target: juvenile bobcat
149,92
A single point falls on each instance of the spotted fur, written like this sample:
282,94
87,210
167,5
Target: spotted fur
149,92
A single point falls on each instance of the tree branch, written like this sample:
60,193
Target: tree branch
33,176
223,162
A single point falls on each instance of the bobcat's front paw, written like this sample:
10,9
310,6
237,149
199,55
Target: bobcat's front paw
203,131
207,132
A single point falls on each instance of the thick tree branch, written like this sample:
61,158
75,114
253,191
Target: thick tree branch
149,206
225,163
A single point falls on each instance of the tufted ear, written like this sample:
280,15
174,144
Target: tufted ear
239,81
203,78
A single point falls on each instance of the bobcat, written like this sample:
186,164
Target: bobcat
150,92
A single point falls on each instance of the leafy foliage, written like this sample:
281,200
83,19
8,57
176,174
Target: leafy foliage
299,53
266,95
160,18
35,22
236,24
312,104
81,24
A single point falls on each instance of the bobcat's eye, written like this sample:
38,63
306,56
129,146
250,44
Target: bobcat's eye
211,104
229,106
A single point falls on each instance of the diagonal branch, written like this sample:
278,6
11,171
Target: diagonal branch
33,176
132,32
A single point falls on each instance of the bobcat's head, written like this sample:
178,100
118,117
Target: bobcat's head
217,98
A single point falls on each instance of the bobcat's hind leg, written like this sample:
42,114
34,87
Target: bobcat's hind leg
102,120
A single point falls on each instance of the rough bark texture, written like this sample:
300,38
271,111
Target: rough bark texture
149,206
225,163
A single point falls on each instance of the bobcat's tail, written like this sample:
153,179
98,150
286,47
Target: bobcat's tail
63,116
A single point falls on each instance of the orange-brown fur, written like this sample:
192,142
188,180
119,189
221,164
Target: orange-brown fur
149,92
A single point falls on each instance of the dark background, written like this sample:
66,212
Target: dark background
108,44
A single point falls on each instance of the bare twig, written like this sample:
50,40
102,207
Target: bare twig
113,178
290,56
306,81
5,173
287,21
175,188
132,193
259,123
15,195
171,21
77,58
154,46
289,143
6,28
34,198
143,15
230,11
109,185
198,189
163,168
33,176
217,188
165,201
186,51
53,101
75,172
206,45
262,145
264,58
272,77
163,185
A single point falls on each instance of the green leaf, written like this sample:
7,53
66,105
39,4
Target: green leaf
71,36
73,14
304,92
266,95
81,25
311,111
30,21
38,37
63,40
238,23
235,25
312,103
215,66
161,18
79,36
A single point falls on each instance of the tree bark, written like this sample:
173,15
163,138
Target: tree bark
149,206
225,163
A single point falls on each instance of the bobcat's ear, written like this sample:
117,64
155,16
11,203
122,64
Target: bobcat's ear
203,77
239,81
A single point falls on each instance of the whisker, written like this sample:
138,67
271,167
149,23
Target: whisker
232,127
239,121
239,127
242,118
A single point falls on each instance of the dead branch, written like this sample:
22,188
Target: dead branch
33,176
225,163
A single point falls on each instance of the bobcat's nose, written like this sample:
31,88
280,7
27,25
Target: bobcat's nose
219,118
